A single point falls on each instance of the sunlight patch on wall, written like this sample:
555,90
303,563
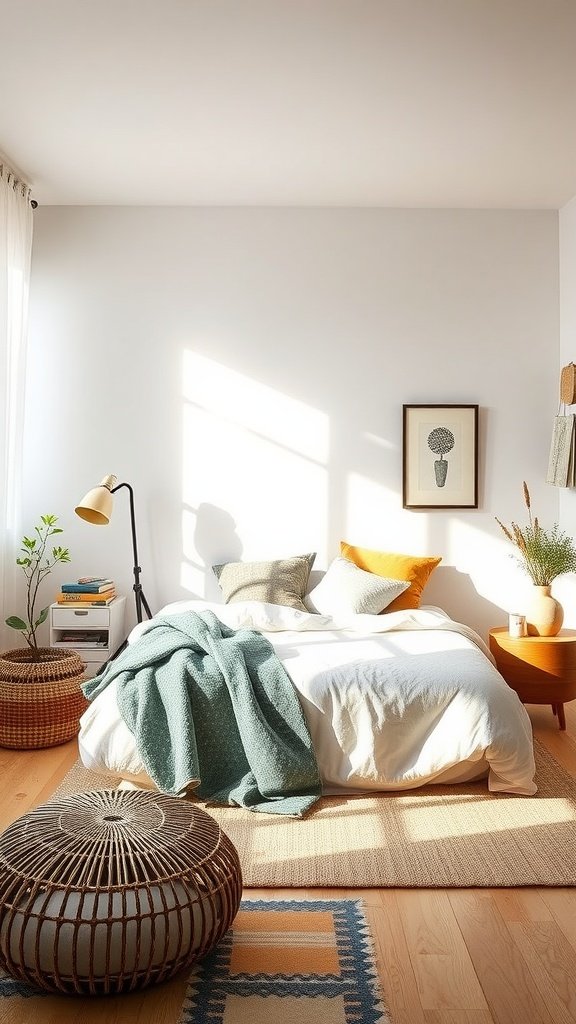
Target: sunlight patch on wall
381,442
259,409
375,518
254,482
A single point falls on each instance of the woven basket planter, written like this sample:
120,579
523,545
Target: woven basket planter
40,701
113,890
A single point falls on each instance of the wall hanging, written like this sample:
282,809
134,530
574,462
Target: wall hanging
562,459
440,456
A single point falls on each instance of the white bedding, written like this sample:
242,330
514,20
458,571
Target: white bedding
392,701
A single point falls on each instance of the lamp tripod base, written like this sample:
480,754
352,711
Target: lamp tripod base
141,602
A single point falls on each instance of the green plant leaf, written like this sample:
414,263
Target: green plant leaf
15,623
61,554
42,618
36,566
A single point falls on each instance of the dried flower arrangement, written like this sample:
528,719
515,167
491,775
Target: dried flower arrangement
543,554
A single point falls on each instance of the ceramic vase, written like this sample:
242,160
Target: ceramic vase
544,614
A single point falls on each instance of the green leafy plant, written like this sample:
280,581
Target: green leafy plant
543,554
37,563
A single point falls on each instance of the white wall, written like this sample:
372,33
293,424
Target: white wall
245,370
567,287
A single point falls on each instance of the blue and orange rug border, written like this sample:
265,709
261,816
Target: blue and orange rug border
356,982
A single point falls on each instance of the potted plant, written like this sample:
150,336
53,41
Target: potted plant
40,696
543,555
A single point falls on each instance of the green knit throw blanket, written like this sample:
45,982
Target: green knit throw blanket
213,705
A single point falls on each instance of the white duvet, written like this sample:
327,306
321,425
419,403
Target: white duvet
392,701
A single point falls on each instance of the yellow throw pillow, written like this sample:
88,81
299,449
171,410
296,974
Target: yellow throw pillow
415,569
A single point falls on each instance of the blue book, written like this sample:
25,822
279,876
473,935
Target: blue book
95,587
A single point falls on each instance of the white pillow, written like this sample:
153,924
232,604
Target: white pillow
345,589
266,618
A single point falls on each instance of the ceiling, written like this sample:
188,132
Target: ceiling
409,103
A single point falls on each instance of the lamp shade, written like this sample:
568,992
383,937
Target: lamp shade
96,506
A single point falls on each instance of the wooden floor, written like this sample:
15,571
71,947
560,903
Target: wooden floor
446,956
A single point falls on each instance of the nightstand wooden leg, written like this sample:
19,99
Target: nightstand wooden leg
558,710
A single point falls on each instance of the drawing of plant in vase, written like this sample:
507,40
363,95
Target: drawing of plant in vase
441,441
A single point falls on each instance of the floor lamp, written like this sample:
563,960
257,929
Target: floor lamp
96,507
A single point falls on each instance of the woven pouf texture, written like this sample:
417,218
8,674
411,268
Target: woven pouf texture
40,701
112,890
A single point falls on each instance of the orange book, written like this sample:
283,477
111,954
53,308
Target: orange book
86,599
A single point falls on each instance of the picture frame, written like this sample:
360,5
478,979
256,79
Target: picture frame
440,456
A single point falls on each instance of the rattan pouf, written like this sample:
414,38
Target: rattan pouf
113,890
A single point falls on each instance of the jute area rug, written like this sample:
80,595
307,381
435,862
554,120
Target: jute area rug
449,836
305,962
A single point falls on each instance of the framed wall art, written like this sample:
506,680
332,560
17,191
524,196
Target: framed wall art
440,456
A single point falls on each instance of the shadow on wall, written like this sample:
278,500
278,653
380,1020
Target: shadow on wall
455,593
215,540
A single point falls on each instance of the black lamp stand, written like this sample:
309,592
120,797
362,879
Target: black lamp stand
139,597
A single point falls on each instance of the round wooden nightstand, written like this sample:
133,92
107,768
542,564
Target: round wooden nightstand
542,669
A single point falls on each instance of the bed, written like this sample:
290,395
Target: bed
392,701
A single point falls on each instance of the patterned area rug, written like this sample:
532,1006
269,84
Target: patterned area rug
308,962
445,836
300,961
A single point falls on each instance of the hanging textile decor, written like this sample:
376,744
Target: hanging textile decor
561,470
562,460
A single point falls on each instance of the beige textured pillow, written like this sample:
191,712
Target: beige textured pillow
282,581
345,589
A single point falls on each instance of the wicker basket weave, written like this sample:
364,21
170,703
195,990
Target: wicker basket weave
40,701
113,890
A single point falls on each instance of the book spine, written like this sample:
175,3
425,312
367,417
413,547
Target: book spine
84,604
80,636
81,645
63,598
86,588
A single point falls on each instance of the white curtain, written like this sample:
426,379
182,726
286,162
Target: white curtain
15,252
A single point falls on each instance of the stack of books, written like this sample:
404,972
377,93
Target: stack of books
87,592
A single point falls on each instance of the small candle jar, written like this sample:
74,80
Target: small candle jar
517,625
